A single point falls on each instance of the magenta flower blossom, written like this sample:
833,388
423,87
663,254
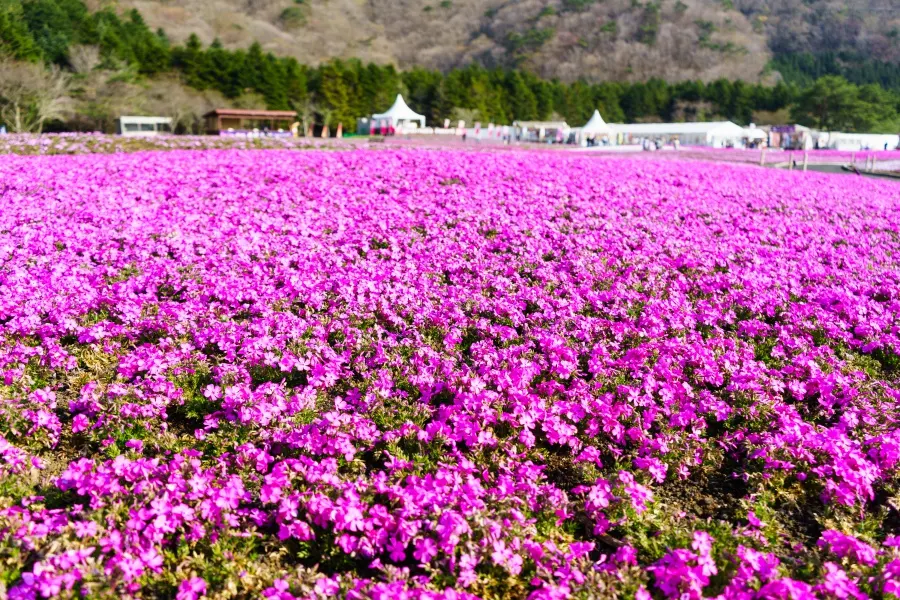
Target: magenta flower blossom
846,546
191,589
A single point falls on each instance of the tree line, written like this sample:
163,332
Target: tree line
804,68
46,31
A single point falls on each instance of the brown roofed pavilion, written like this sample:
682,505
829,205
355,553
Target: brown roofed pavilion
225,119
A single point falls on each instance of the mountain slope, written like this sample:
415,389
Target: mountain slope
594,39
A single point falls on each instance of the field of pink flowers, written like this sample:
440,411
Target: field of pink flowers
433,374
99,143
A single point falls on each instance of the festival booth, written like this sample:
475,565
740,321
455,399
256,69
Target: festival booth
594,132
399,118
541,131
791,137
754,136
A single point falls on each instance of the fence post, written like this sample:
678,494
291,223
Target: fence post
853,159
790,161
873,163
762,158
805,160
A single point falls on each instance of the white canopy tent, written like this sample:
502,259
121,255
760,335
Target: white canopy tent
595,128
400,114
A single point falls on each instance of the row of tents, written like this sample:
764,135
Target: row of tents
400,118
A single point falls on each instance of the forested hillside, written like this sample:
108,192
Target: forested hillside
74,65
599,40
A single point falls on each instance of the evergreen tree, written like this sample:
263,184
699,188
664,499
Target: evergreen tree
521,103
295,88
606,99
740,106
148,50
190,59
543,94
16,40
830,104
720,93
274,83
222,70
579,104
426,94
334,93
51,28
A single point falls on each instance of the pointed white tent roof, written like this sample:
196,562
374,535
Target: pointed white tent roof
400,112
596,124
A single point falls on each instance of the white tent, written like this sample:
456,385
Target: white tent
857,141
755,133
716,134
596,126
400,113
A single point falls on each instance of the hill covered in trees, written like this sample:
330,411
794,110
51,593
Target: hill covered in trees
96,63
598,40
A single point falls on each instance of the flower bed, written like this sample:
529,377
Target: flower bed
414,374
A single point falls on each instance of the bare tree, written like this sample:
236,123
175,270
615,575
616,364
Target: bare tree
168,98
171,98
31,95
84,58
250,100
103,96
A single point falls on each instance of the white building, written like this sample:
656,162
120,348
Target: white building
132,126
716,134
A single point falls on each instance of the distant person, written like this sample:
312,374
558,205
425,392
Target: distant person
885,144
464,136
